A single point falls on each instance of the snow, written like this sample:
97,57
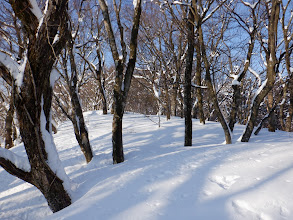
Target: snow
19,161
252,6
235,81
36,10
160,178
53,159
255,74
53,77
134,3
13,67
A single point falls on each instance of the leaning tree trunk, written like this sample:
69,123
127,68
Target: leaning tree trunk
80,129
187,82
33,102
211,90
271,60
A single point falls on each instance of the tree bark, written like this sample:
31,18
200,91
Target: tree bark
272,116
101,85
80,129
198,82
187,81
9,121
33,100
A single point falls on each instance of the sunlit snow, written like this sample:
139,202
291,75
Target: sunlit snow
160,178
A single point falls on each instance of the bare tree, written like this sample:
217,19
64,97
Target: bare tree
122,78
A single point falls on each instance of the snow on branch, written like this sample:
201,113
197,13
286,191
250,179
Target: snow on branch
36,10
180,3
16,70
235,81
19,162
255,74
252,6
134,3
213,11
197,86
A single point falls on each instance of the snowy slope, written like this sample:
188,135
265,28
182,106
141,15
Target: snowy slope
162,179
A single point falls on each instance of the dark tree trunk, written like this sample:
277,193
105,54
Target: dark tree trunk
9,122
101,85
290,111
33,100
187,82
117,142
272,116
118,107
80,129
272,111
235,106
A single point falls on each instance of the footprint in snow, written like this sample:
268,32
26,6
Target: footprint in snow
224,181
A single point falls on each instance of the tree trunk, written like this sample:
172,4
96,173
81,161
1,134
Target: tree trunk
101,84
211,90
272,116
198,82
235,106
9,121
290,111
33,101
118,154
187,80
80,129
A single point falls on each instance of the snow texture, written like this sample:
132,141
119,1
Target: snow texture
54,77
36,10
19,161
13,67
134,3
252,6
235,81
160,178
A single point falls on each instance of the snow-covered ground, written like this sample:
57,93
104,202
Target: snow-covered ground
162,179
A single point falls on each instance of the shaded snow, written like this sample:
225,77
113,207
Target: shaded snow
161,179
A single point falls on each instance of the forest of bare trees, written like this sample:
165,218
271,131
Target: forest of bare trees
213,60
